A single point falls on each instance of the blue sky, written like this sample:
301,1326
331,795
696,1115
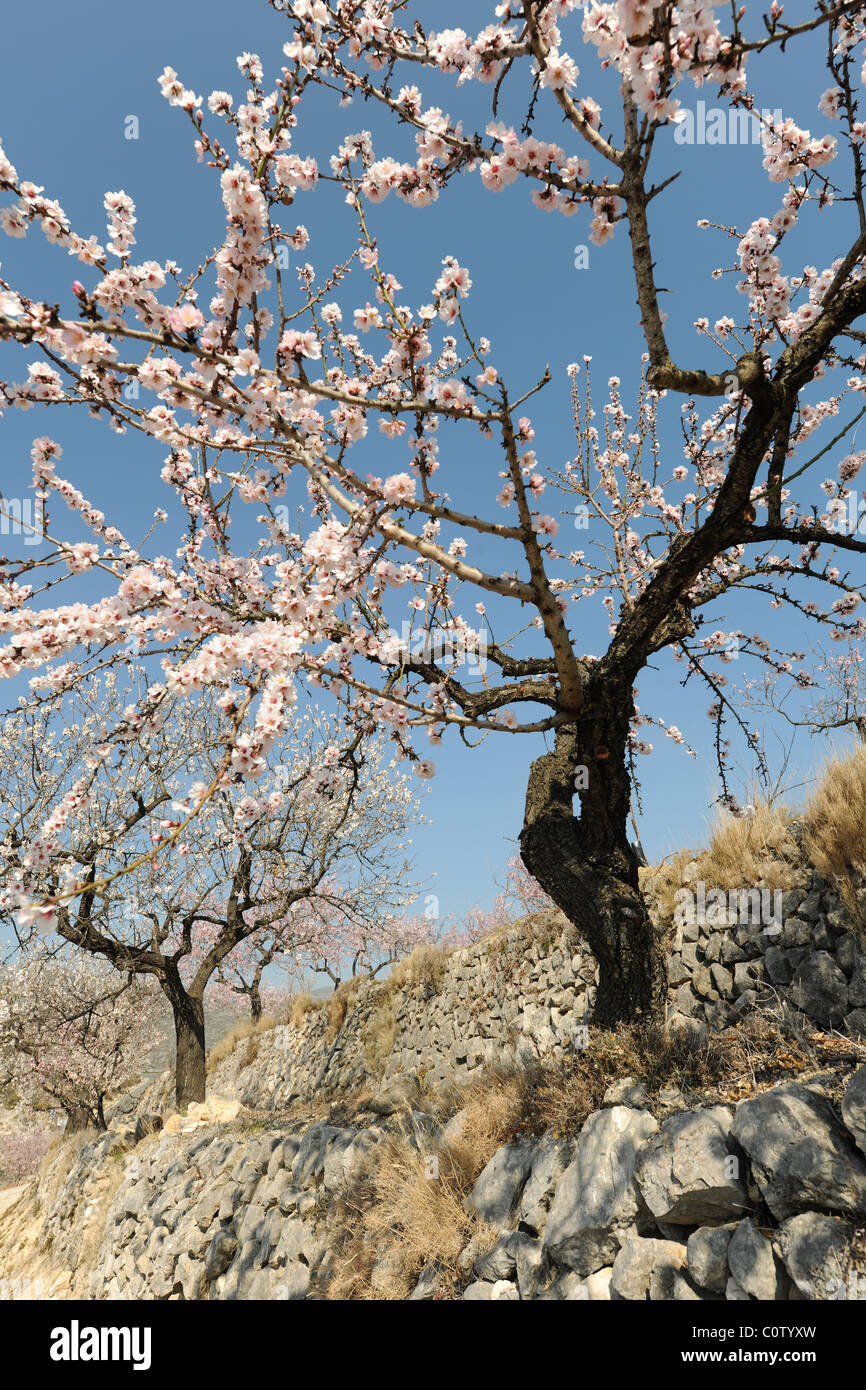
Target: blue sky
72,77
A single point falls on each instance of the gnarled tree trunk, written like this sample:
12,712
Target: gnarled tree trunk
190,1056
588,867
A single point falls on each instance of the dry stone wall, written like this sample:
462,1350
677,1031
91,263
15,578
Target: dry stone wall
529,992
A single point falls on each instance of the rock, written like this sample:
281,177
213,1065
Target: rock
549,1161
399,1094
649,1269
800,1153
145,1125
479,1292
500,1262
428,1283
529,1259
735,1293
708,1256
291,1283
855,1022
820,990
854,1108
692,1028
568,1286
598,1286
816,1251
753,1264
309,1162
777,965
496,1195
627,1091
857,984
684,1174
596,1201
504,1291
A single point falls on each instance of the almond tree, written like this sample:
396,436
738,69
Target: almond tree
194,863
264,391
73,1030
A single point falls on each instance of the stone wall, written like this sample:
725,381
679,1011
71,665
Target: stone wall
651,1199
529,992
510,998
809,958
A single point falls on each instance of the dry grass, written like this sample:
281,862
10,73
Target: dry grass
414,1216
426,965
379,1036
835,822
236,1034
302,1004
337,1006
744,852
751,850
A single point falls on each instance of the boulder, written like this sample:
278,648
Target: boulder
854,1108
816,1251
496,1195
820,990
651,1269
400,1094
685,1174
549,1161
753,1264
801,1155
596,1200
708,1256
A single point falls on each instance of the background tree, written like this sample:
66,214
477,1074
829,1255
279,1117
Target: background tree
73,1030
269,393
230,865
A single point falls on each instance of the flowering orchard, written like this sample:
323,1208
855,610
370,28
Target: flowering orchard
199,875
358,408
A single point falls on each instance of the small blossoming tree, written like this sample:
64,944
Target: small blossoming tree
72,1031
258,389
110,818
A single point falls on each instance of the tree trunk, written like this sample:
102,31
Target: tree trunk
588,867
190,1056
255,1004
78,1117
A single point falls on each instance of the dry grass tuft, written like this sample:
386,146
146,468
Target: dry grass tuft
424,966
751,850
245,1028
302,1004
835,823
337,1006
379,1036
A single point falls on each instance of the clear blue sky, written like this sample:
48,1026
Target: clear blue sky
71,77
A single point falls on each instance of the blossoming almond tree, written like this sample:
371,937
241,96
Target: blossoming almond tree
269,389
73,1030
83,804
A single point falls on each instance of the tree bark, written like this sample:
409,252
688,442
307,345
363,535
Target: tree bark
587,866
78,1118
255,1004
190,1055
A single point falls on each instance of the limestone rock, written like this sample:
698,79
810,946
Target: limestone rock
685,1173
596,1200
800,1153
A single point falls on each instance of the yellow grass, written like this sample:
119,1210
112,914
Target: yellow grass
835,822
